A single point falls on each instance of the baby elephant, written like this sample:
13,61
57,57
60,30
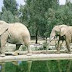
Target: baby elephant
16,33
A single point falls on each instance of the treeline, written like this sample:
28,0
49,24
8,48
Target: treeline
40,16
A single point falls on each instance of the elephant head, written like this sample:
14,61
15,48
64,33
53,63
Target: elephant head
56,31
3,26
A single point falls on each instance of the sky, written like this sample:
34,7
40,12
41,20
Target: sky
62,2
21,2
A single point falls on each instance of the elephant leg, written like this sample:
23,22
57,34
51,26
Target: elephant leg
16,52
17,46
61,44
67,45
4,37
26,41
58,47
29,50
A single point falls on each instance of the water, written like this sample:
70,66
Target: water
37,66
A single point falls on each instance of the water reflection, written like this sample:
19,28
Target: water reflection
2,67
37,66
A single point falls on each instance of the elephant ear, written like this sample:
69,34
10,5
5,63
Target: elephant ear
3,27
64,31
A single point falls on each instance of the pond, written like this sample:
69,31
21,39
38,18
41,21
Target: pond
37,66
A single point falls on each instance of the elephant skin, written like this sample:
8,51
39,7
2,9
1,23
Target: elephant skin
67,32
3,26
64,34
56,31
16,33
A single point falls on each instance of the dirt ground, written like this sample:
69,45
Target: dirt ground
11,47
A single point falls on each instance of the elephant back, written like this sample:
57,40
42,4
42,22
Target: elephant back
18,28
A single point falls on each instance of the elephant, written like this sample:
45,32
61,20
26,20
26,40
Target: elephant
15,33
56,31
61,32
67,32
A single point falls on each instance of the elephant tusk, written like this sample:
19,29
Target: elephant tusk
51,39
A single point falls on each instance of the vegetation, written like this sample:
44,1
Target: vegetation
40,16
9,11
39,66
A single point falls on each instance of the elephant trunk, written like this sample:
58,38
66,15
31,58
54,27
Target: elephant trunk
51,38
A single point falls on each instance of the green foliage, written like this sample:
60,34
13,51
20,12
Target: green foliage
63,15
10,5
9,11
40,16
33,14
51,21
8,16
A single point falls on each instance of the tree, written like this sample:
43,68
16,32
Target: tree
33,14
64,15
9,11
8,17
11,5
51,21
0,15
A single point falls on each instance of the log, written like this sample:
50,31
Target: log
36,52
36,57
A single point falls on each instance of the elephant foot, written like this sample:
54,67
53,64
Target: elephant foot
58,52
46,52
2,55
15,53
69,52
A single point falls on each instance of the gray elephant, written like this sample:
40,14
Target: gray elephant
58,31
67,32
15,33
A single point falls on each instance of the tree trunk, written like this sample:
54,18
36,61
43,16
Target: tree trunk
46,39
36,36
